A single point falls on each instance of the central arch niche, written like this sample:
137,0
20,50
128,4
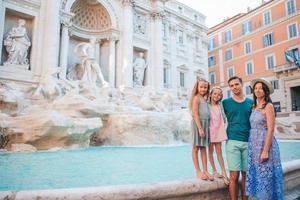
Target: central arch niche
90,19
90,15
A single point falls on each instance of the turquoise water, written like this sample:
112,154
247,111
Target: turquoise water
103,166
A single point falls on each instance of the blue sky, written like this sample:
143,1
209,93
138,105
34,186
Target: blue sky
217,10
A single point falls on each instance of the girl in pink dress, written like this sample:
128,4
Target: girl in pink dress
217,132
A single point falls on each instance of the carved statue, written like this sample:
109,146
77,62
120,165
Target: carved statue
48,86
139,67
91,69
75,72
17,43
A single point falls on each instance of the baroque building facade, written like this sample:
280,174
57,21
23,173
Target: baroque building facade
170,37
264,42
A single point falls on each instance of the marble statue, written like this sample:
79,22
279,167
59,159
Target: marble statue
91,69
17,44
139,67
75,72
48,86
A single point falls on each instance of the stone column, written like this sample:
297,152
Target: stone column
51,33
64,46
173,43
112,62
97,48
2,18
127,70
118,63
157,50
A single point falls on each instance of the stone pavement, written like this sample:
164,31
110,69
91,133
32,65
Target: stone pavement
293,195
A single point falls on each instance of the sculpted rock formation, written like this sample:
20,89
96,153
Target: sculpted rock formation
55,114
147,128
288,125
59,116
31,118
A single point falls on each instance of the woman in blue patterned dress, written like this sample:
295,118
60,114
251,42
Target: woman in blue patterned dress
264,174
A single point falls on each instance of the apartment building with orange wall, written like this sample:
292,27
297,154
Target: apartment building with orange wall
253,45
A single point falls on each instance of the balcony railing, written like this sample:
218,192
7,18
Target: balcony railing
285,67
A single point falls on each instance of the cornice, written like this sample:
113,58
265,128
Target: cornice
128,3
35,4
157,15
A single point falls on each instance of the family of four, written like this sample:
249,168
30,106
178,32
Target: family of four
247,126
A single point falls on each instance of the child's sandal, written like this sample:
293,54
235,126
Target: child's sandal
210,177
202,176
217,175
226,180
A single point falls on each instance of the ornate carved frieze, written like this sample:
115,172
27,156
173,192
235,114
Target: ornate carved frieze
190,36
113,38
66,19
92,2
63,4
66,22
204,41
197,57
199,74
166,47
173,29
128,3
107,38
181,51
140,23
155,15
114,14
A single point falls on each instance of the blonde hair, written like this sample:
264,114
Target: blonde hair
195,91
212,90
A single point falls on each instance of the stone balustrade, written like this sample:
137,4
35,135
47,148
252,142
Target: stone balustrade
187,189
285,67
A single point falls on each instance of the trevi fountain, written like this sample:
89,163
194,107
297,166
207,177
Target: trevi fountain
109,73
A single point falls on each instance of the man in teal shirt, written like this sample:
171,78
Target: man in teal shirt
237,110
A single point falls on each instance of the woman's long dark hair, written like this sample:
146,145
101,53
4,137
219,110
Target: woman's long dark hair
267,96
